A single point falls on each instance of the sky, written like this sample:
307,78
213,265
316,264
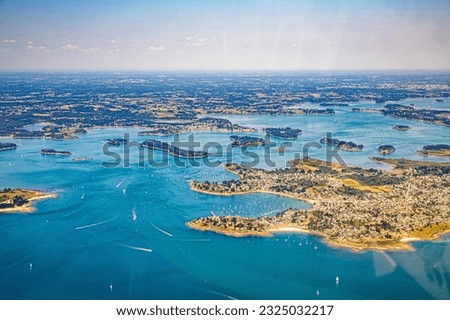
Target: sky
115,35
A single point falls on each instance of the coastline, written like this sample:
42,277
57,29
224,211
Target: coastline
380,245
228,194
242,227
28,207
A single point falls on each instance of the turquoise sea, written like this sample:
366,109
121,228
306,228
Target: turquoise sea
119,233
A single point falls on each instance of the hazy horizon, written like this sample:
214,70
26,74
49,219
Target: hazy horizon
212,36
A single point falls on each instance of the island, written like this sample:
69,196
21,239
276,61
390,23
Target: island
117,141
367,110
246,141
327,111
437,150
283,133
351,207
401,128
386,149
342,145
173,150
80,159
334,104
53,152
20,200
7,146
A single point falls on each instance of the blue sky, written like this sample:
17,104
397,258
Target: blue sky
225,35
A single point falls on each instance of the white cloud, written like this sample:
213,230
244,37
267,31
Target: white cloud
31,45
9,41
198,42
71,47
158,48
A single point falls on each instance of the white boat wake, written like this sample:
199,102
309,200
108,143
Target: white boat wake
161,230
120,183
133,247
97,223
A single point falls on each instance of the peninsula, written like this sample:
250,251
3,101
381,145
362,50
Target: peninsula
352,207
437,150
20,200
439,117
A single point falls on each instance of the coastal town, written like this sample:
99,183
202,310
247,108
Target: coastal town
351,207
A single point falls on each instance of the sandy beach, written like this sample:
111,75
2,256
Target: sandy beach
28,207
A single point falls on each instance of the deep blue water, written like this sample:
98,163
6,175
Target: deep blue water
119,233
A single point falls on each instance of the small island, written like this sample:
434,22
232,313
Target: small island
386,149
53,152
401,128
327,111
117,141
352,207
334,104
366,110
246,141
20,200
283,133
7,146
437,150
342,145
173,150
80,159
